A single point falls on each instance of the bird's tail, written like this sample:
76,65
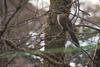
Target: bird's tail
74,38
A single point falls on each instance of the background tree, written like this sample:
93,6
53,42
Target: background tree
17,23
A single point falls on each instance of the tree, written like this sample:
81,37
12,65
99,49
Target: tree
17,21
55,38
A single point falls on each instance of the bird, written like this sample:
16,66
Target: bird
65,24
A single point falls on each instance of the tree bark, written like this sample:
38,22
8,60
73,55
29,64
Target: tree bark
55,39
97,58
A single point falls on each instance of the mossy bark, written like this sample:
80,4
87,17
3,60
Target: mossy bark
97,58
55,39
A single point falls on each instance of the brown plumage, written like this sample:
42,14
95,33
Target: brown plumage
66,25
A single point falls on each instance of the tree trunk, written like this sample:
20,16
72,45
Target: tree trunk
97,58
55,39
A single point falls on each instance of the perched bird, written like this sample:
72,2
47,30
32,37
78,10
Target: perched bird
66,26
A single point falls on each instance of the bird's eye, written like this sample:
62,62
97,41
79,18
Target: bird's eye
61,8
